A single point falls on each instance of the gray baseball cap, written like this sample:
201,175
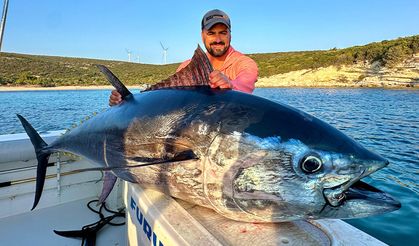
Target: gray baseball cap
213,17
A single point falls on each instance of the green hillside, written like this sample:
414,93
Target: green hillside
389,53
20,69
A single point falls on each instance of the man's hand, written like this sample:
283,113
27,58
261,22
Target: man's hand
115,98
219,80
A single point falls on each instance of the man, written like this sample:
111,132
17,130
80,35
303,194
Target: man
232,69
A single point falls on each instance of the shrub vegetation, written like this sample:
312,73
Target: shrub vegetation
20,69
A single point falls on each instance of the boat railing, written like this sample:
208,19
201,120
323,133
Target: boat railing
64,183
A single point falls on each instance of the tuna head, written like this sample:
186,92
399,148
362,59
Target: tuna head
306,170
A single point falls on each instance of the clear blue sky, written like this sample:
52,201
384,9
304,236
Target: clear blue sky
104,29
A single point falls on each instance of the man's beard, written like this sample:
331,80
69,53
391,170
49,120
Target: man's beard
217,52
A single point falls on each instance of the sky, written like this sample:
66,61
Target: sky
105,29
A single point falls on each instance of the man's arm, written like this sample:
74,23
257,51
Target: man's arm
217,78
245,71
247,75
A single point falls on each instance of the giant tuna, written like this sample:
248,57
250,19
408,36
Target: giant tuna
246,157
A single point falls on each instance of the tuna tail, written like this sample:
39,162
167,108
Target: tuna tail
42,155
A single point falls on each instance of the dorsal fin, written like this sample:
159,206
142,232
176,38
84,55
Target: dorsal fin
115,81
196,73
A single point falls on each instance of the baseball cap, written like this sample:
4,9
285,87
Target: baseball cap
213,17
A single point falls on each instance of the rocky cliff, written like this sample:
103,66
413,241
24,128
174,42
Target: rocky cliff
402,75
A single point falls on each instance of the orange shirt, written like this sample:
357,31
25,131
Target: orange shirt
240,69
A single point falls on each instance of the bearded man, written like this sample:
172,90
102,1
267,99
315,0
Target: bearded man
232,69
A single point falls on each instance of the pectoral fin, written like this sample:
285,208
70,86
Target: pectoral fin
186,155
108,184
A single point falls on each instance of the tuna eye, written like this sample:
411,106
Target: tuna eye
311,164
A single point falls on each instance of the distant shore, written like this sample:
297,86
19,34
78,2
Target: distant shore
263,84
404,75
61,88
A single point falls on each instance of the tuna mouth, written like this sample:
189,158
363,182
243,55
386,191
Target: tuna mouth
361,190
335,196
357,190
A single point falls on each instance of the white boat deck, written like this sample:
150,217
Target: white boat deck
36,227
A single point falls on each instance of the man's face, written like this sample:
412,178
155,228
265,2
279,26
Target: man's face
217,39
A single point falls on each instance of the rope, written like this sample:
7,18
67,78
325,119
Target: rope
89,232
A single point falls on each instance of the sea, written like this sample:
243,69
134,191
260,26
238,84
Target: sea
385,121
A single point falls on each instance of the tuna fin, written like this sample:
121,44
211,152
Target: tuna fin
186,155
42,155
196,73
119,86
108,184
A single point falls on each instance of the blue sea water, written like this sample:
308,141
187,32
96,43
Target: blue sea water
385,121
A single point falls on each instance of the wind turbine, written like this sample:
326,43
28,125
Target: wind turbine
129,54
164,53
3,21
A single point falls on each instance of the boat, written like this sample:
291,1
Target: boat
152,218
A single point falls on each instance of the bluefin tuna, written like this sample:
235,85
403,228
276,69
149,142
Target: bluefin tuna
244,156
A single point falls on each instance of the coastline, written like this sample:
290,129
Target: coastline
359,76
139,87
404,75
63,88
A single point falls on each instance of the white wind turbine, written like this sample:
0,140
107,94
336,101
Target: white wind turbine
3,21
164,53
129,54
